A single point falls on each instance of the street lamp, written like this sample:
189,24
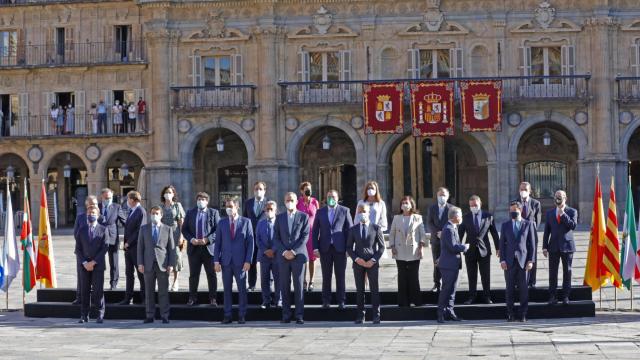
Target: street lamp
11,172
124,168
220,143
66,171
428,145
546,138
326,141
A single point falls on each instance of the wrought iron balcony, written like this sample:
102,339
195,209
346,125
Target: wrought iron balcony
37,2
514,88
628,89
202,98
69,54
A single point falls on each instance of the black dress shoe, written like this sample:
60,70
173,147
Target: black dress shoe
532,286
469,301
552,301
565,301
487,301
148,321
213,303
165,321
113,287
125,302
435,288
265,306
326,306
83,319
358,321
341,306
75,302
99,320
510,318
191,302
241,320
440,319
299,321
285,321
454,317
376,319
226,320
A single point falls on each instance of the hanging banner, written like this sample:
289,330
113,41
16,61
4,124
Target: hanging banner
481,103
432,108
383,108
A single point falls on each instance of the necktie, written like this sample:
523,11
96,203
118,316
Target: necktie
155,235
104,210
331,215
475,222
257,207
270,230
233,229
364,232
199,227
91,231
515,228
558,216
524,209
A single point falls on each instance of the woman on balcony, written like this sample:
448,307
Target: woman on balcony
60,121
309,205
54,117
70,125
117,117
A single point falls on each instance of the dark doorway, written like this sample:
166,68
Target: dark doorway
65,99
232,182
123,42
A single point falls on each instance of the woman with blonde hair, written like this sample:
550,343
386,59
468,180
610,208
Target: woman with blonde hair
309,205
378,208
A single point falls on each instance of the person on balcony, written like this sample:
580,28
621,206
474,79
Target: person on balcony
132,111
93,115
60,120
116,111
54,116
70,125
102,117
142,114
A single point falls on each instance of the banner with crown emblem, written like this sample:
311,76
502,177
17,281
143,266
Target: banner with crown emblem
383,107
481,103
432,108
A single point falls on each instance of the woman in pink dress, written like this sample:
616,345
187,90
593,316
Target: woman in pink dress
309,205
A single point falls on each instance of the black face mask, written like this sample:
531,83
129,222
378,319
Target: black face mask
558,201
514,215
307,192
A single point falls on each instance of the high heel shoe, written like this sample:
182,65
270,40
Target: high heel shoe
310,288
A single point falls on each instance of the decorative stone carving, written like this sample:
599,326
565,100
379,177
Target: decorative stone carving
433,19
544,14
64,16
248,124
322,20
625,117
581,117
291,123
357,122
514,119
8,21
215,28
184,125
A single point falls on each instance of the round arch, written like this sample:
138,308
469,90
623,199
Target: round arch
47,159
108,152
626,138
16,154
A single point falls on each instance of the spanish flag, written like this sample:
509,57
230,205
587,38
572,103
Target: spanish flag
611,250
592,273
45,269
26,237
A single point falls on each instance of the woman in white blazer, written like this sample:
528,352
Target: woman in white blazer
407,237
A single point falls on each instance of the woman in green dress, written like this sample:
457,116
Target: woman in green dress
173,215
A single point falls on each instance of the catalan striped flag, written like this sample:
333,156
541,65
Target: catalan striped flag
592,275
610,265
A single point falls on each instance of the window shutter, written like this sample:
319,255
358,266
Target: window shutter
139,93
81,125
196,70
238,78
303,66
44,122
635,60
109,47
107,96
21,46
456,69
413,63
345,65
525,61
568,56
23,120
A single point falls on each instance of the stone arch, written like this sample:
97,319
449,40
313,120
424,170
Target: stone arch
48,157
109,151
626,138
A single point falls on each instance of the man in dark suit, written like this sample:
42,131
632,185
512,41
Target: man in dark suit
365,245
90,252
531,211
156,260
477,225
330,229
110,216
81,220
268,266
436,220
232,255
199,229
558,244
450,264
136,218
254,210
517,248
290,246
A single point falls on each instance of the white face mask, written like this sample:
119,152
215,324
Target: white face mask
364,217
371,192
155,218
107,200
202,204
474,209
524,194
229,211
290,205
406,207
271,214
442,199
168,196
259,194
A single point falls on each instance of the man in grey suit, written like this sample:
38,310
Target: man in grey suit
436,220
450,263
156,260
110,216
532,212
291,234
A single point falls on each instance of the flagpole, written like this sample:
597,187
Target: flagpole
615,298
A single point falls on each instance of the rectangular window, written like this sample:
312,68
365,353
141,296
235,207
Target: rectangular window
546,61
217,70
123,42
8,47
324,66
435,64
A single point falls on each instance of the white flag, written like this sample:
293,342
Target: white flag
10,255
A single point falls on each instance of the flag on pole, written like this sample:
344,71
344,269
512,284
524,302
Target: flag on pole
10,261
592,275
45,268
610,269
630,264
28,247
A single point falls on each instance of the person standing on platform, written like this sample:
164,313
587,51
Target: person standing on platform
91,249
290,245
156,260
516,251
477,225
136,218
309,205
254,210
266,256
233,251
81,219
173,216
531,211
110,216
450,262
329,233
199,230
436,221
558,244
407,238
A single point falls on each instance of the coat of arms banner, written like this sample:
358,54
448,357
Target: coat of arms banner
383,107
432,108
481,103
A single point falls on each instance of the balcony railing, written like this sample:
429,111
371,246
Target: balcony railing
628,89
514,88
83,53
197,98
83,125
36,2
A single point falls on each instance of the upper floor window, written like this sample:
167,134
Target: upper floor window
635,58
435,63
543,61
217,70
324,66
8,47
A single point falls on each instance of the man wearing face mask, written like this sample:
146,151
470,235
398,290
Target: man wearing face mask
365,245
199,229
450,263
436,221
232,256
558,244
136,218
81,219
266,257
531,211
254,210
290,246
477,225
330,228
90,252
110,216
156,260
516,258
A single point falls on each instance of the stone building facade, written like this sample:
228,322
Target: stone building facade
240,91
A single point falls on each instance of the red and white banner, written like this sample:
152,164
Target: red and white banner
432,108
481,103
383,107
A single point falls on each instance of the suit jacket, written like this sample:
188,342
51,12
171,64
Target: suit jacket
479,239
110,222
372,247
325,233
132,226
450,248
407,243
263,240
189,228
436,223
248,211
534,211
164,253
237,250
519,247
296,240
559,237
91,248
